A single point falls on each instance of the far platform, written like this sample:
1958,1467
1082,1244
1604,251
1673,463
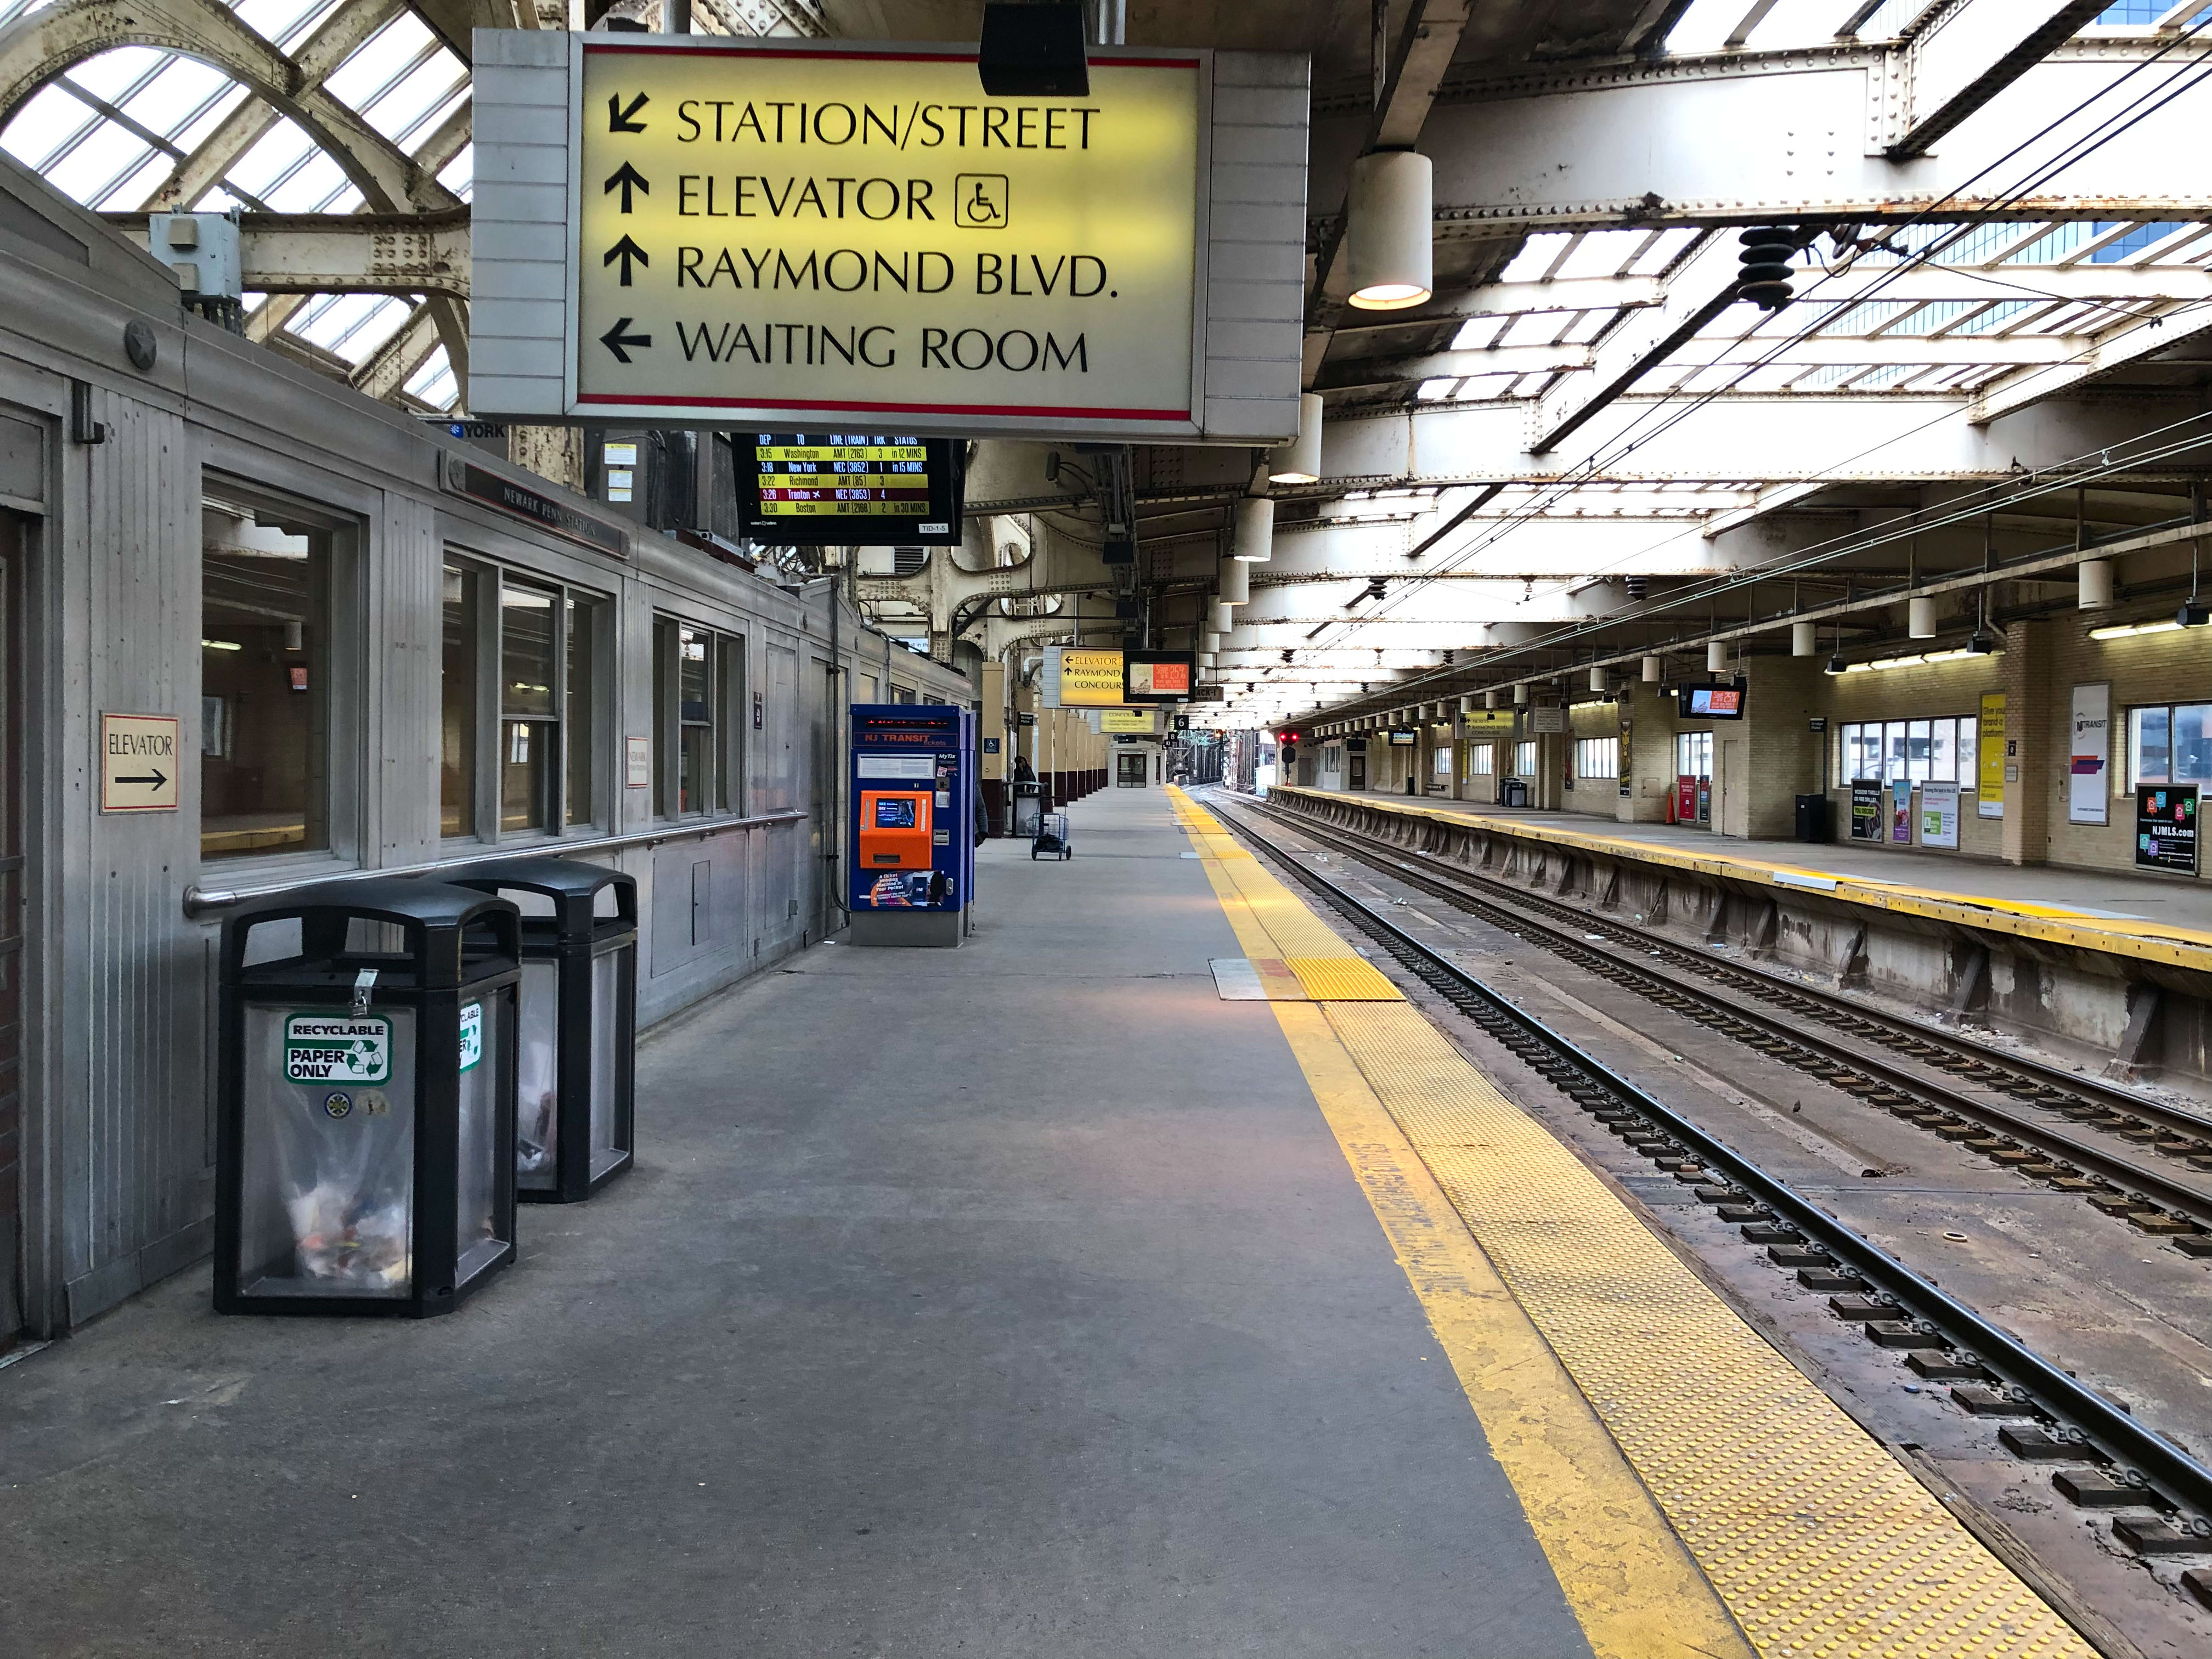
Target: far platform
2131,904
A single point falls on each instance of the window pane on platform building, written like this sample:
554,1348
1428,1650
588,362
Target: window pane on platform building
264,682
529,730
457,705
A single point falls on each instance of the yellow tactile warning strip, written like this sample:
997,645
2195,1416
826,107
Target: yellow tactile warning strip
1305,960
2141,941
1818,1542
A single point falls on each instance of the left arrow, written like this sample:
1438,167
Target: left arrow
628,178
614,340
154,781
626,251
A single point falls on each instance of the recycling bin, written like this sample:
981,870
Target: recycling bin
1029,810
577,1054
365,1125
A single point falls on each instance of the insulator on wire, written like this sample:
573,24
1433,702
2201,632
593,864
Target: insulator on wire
1766,253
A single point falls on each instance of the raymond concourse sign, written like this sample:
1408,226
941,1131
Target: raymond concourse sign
807,234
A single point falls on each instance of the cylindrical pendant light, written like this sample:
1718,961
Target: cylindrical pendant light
1466,704
1255,542
1804,640
1597,681
1298,462
1920,618
1520,697
1654,669
2095,576
1218,616
1390,236
1210,640
1490,700
1236,584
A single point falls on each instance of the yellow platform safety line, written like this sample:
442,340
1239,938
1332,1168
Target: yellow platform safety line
2136,941
1819,1543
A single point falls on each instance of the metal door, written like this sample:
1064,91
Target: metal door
1129,769
1357,779
13,912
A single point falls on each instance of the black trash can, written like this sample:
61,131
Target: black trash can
1813,818
576,1065
365,1124
1514,792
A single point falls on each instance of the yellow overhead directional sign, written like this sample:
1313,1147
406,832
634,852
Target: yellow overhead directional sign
819,235
1077,678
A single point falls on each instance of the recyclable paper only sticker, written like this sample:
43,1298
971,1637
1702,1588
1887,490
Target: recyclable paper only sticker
337,1049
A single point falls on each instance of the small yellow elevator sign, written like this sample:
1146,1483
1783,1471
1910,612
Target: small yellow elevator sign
861,235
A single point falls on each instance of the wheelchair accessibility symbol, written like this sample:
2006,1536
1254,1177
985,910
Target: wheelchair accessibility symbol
979,201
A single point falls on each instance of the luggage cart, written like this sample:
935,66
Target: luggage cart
1052,837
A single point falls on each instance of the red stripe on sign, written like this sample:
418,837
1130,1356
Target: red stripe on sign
1054,409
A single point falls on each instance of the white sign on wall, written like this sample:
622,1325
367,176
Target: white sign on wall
702,229
1939,815
2091,750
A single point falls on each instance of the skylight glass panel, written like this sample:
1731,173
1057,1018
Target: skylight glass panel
426,88
1867,318
459,176
433,383
1587,326
411,139
106,153
281,19
1603,253
1435,391
42,125
1661,253
1480,387
1534,260
1536,328
135,186
1480,333
114,75
271,158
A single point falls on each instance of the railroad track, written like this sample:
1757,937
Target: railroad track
2161,1495
1959,1091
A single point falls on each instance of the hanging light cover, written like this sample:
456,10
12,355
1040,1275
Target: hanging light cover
1255,542
1521,696
1653,670
1218,616
1803,640
1298,462
2096,578
1236,585
1389,231
1717,656
1597,681
1920,619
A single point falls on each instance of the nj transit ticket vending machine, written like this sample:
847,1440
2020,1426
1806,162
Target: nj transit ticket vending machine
911,847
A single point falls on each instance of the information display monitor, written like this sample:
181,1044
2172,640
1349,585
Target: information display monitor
848,489
1710,702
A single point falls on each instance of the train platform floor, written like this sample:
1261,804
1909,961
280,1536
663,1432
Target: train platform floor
2057,891
1048,1295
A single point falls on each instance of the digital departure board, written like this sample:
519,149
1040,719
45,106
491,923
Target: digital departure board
848,489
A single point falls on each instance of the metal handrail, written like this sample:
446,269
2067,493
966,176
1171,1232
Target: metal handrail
199,901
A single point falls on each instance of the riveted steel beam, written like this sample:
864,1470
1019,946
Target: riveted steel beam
1973,52
347,252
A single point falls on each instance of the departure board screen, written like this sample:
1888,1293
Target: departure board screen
858,489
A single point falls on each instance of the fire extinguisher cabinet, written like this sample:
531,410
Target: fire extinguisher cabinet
365,1128
577,1058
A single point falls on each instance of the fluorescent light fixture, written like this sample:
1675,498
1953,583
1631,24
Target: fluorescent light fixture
1915,659
220,645
2129,630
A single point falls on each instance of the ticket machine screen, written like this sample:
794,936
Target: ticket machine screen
894,812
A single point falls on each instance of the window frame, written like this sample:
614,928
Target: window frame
1606,750
1891,742
493,578
728,788
2133,770
345,696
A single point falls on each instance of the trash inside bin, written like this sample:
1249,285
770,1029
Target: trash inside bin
577,1053
365,1127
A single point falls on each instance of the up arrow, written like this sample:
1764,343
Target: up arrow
628,177
614,340
620,120
626,251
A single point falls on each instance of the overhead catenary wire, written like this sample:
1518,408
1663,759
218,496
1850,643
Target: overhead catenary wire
1631,439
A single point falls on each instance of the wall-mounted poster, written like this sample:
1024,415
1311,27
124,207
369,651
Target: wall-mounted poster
2092,752
1900,813
1989,799
1866,809
1939,815
2166,828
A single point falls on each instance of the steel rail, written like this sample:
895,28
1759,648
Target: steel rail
2175,1474
2146,1182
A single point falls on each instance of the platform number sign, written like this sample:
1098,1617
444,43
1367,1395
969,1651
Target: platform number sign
337,1049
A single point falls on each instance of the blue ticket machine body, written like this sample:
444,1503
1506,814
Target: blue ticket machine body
910,835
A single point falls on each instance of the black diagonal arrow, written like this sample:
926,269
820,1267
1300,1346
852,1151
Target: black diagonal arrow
626,251
614,340
618,118
154,781
628,179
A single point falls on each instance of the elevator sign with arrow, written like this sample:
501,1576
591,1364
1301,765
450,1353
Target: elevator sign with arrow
137,763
